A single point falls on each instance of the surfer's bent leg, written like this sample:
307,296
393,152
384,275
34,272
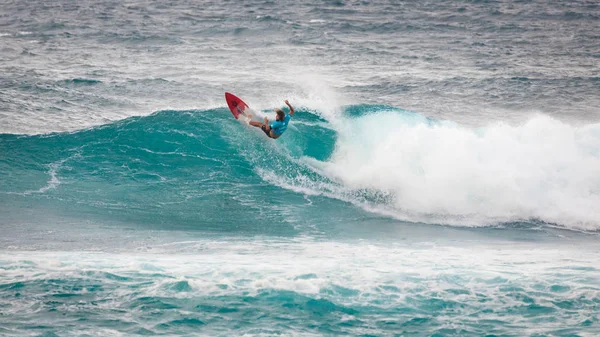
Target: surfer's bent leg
262,127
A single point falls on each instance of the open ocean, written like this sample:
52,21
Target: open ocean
441,176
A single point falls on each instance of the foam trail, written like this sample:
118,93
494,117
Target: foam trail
544,169
53,182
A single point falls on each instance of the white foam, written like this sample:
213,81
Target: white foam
53,182
544,169
478,277
308,267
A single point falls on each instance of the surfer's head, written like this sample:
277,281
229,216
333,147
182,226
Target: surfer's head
280,114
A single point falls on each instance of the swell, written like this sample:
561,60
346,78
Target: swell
173,169
203,169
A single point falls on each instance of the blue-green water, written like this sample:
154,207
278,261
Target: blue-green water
190,222
441,176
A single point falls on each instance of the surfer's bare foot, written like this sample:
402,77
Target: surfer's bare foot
249,116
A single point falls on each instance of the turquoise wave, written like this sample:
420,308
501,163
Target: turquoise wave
202,169
177,169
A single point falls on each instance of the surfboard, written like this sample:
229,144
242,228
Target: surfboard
236,105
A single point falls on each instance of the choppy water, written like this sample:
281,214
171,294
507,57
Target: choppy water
440,178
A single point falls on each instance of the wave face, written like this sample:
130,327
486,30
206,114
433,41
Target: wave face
193,169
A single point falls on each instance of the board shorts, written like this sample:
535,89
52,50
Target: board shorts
264,128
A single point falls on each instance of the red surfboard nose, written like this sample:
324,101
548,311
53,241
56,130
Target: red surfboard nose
235,104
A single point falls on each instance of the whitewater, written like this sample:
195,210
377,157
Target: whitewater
440,177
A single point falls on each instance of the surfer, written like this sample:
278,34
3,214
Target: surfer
278,127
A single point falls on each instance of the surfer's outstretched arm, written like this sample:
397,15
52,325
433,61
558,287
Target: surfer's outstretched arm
289,105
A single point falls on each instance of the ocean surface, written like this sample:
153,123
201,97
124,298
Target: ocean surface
441,175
